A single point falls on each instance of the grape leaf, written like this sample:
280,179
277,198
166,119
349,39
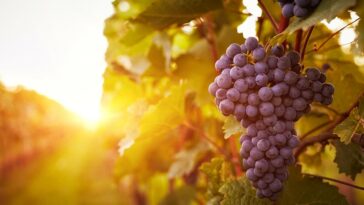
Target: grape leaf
327,9
186,160
299,189
347,128
231,127
349,158
239,191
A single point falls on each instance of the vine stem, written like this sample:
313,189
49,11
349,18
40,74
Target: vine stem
297,45
315,129
335,33
283,24
271,19
308,35
337,181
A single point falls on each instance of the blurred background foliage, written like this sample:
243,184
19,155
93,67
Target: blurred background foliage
161,140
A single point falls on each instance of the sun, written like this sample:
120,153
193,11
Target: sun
89,115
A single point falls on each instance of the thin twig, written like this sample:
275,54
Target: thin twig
315,129
334,34
308,35
310,141
272,20
297,45
331,47
337,181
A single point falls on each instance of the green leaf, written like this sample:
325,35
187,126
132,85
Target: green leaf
299,189
186,160
231,127
239,191
163,13
347,129
349,158
328,9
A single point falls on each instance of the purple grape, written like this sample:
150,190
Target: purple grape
327,90
258,172
223,81
240,60
233,94
232,50
251,111
263,145
299,104
293,142
265,94
287,10
270,120
294,92
222,63
290,114
236,73
260,125
256,154
302,3
262,165
285,152
243,98
276,101
327,100
241,85
287,101
279,127
313,74
299,11
280,139
318,97
266,109
253,99
294,56
303,83
226,107
291,78
261,67
284,63
258,54
322,78
252,130
261,80
262,184
249,70
213,87
279,110
247,145
250,175
276,185
278,75
251,43
316,86
272,153
307,94
221,94
272,62
251,82
278,50
277,162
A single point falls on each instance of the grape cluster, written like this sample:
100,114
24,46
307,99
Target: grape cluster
267,94
299,8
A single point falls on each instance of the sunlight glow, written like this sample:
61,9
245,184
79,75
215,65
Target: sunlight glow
248,27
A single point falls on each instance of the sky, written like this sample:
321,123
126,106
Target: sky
57,48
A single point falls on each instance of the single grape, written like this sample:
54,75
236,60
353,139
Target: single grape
294,92
261,67
313,74
243,48
266,109
260,125
241,85
221,94
233,94
327,90
294,57
232,50
213,87
268,178
276,101
300,11
236,73
261,184
258,172
270,120
253,99
251,82
287,10
287,101
327,100
243,98
252,130
284,63
277,162
223,81
247,145
279,127
299,104
280,139
258,54
296,68
226,107
265,93
267,192
318,97
278,50
307,94
249,70
263,145
303,83
240,60
291,78
278,75
256,154
293,142
239,111
285,152
261,134
279,110
276,185
322,78
262,165
222,63
251,43
251,111
272,62
261,80
290,114
316,86
250,175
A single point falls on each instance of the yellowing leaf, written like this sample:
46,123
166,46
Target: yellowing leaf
232,127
